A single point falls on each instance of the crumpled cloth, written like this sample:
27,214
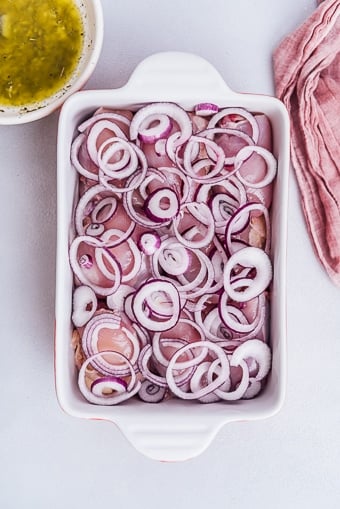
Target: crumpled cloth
307,80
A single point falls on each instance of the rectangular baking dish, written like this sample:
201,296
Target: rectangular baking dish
173,430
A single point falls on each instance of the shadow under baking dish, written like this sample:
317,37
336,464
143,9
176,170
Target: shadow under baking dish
173,430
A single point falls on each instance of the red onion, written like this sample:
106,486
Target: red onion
172,110
154,128
226,112
242,290
219,380
120,336
205,229
132,388
84,268
268,157
149,242
206,109
196,169
96,131
240,220
171,259
234,317
117,158
162,205
136,169
211,133
159,342
108,382
75,149
151,392
145,291
115,301
84,305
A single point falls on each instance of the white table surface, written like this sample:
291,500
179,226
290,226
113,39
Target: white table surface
51,460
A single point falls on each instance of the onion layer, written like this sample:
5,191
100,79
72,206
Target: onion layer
171,254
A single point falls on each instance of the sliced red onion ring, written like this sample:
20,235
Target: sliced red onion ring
113,383
154,128
253,389
248,288
145,291
199,380
173,176
94,230
214,369
159,304
219,380
234,196
158,341
86,204
109,268
139,216
95,208
174,259
254,349
115,302
84,305
269,159
193,289
182,377
172,110
239,112
75,148
104,210
234,318
216,160
142,334
240,219
128,306
153,176
132,388
162,205
114,238
133,181
124,155
149,242
213,327
143,361
240,390
94,134
202,213
151,392
210,133
206,109
90,338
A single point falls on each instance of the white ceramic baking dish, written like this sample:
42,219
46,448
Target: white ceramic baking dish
173,430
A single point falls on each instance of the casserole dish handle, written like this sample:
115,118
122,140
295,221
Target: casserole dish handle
171,440
173,76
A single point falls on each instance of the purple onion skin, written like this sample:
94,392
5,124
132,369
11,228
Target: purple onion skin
151,393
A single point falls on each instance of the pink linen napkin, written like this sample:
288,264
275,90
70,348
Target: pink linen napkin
307,80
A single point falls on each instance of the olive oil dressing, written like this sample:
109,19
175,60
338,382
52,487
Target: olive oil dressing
41,42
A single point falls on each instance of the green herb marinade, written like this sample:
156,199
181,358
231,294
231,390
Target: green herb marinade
40,46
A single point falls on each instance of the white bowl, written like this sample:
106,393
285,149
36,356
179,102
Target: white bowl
92,16
173,430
